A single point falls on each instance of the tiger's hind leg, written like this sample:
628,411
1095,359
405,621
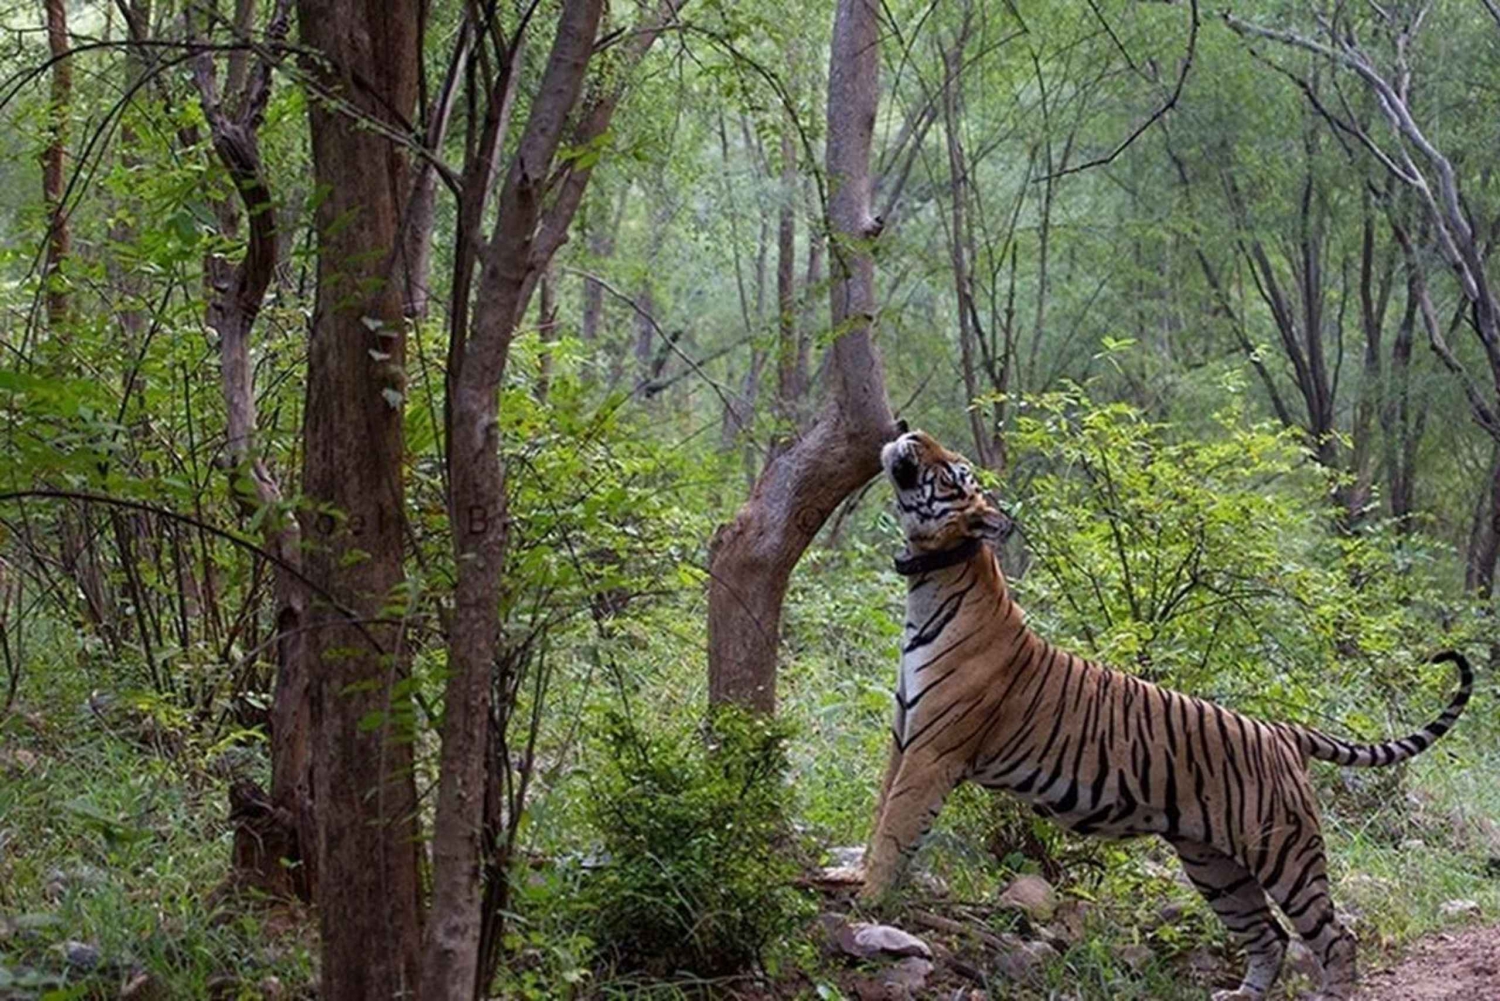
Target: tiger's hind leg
1241,905
1300,889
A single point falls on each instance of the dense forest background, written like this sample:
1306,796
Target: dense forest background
415,415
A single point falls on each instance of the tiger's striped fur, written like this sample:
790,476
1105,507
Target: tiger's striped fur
982,698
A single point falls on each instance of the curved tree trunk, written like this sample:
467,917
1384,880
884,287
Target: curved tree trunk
753,556
269,833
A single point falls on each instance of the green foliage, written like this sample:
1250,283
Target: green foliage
699,851
1212,565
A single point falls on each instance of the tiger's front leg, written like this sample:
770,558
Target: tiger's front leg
916,787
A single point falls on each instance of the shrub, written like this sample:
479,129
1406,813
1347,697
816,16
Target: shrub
700,855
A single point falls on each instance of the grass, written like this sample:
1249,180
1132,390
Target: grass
110,842
105,843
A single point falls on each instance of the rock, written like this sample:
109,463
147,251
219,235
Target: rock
1024,962
1300,959
1170,914
1033,896
847,857
863,941
1136,956
1460,910
842,875
1068,920
1203,964
80,955
930,883
1488,832
1413,845
17,760
904,980
60,881
1156,870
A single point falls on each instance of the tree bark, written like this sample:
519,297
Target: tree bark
601,246
275,853
791,360
365,795
54,167
477,514
752,557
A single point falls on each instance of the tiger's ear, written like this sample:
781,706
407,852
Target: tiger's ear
990,523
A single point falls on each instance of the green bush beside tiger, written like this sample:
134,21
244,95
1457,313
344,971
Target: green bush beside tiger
981,697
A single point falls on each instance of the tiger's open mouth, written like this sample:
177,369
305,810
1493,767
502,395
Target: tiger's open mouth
900,460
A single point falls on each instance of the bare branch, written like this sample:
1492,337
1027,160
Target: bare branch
1166,106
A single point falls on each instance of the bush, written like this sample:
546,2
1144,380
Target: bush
700,855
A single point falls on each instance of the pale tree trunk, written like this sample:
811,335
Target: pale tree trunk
546,328
958,241
752,557
791,353
511,264
421,211
364,788
275,840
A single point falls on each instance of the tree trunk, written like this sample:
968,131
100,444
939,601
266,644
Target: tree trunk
601,247
477,514
421,211
546,329
1401,428
364,788
752,558
275,839
791,366
54,167
958,194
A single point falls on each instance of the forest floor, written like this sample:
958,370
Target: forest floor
1464,966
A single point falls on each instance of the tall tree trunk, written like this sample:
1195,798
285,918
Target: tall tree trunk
364,788
477,510
1402,424
1480,553
546,329
791,362
421,211
963,287
601,228
752,557
54,167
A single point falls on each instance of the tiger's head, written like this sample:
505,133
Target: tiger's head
939,502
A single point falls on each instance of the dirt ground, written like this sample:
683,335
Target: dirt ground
1462,966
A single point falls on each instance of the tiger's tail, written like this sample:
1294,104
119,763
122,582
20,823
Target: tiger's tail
1341,752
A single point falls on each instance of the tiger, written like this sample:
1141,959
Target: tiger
982,698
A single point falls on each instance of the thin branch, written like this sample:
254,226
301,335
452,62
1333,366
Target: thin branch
1166,106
